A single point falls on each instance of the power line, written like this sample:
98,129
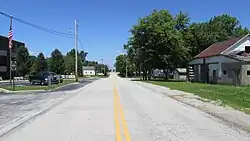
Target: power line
68,35
81,44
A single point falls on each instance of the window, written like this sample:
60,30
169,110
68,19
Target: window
224,72
3,53
247,49
248,72
3,61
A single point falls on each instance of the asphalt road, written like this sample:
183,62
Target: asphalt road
68,87
117,109
74,86
15,106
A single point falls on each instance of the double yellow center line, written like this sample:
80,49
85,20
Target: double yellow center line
119,116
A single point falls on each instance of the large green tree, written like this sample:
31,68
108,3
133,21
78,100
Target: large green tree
22,61
41,64
32,63
101,68
122,61
199,36
69,60
156,41
161,40
57,62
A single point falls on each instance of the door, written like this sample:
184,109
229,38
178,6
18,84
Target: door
236,77
214,76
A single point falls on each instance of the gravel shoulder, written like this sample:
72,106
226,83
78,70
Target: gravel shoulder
228,115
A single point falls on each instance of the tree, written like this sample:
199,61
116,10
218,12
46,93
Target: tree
199,36
122,62
101,68
163,41
89,63
83,55
156,41
41,64
182,21
22,61
69,64
69,60
57,62
32,63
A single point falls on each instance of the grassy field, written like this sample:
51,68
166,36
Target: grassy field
38,87
236,97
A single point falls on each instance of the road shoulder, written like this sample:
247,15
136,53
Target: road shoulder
227,114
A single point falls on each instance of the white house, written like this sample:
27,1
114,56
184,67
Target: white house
224,62
88,70
180,74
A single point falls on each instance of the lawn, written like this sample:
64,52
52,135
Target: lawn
236,97
38,87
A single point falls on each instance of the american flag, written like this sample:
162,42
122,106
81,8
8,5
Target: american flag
10,35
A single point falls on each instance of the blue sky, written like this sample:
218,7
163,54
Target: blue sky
103,24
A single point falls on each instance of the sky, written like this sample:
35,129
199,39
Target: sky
103,24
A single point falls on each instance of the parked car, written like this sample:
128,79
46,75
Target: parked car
157,73
56,78
42,78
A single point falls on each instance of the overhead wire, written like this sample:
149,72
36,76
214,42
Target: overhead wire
68,35
81,44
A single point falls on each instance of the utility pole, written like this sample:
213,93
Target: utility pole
103,67
76,50
126,66
10,47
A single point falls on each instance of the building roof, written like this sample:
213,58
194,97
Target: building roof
181,70
218,48
6,38
88,67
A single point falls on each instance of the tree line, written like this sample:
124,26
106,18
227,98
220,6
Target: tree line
164,41
57,62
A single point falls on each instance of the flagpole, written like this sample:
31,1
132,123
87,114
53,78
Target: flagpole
10,54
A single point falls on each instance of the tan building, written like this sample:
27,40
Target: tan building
224,62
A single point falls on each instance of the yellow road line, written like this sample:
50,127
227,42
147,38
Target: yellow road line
118,108
117,124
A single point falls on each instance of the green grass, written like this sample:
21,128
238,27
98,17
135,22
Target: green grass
38,87
236,97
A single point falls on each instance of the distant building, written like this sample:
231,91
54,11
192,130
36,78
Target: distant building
5,55
180,74
88,70
224,62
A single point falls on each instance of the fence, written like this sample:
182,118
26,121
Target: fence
68,76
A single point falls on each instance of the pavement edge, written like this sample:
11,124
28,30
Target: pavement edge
10,126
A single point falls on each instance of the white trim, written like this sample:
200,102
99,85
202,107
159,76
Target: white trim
235,44
196,61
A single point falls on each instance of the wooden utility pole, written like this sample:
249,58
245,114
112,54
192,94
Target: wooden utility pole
76,50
